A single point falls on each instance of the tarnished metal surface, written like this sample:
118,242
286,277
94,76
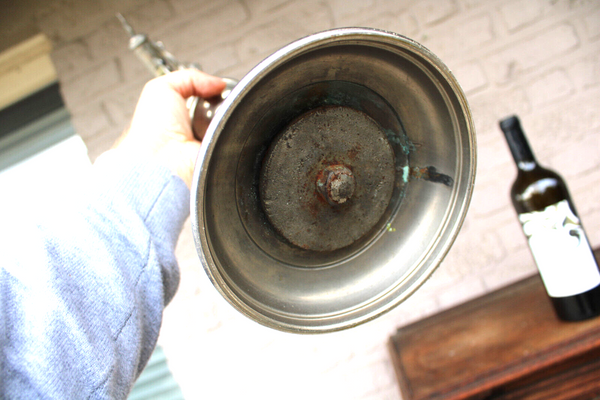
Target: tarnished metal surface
249,171
347,153
425,119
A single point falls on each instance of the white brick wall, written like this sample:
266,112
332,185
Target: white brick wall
539,59
533,51
520,13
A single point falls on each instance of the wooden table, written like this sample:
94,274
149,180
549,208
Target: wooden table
505,345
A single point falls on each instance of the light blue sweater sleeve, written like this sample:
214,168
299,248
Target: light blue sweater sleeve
83,284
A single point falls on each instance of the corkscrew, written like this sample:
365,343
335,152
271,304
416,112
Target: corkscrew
160,62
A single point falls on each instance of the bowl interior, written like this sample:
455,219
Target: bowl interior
419,105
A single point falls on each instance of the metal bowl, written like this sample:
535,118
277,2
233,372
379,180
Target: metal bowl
248,248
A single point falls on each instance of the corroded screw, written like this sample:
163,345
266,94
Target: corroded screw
336,184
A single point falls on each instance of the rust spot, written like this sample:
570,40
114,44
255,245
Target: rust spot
314,206
353,152
336,184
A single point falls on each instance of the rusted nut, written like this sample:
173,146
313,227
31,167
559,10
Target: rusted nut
336,184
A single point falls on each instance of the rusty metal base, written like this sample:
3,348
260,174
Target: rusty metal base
319,141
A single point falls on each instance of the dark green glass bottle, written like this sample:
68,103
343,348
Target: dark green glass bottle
556,238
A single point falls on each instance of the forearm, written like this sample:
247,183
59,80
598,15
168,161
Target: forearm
83,291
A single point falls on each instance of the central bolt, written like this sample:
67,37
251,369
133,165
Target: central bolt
336,184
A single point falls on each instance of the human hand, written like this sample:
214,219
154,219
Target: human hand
161,127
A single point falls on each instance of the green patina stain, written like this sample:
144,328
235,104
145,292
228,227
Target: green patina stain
405,173
400,139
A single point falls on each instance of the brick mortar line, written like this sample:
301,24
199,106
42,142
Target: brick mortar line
501,43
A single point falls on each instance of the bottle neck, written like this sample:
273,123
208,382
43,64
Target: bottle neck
517,143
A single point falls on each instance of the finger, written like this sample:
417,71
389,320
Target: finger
191,82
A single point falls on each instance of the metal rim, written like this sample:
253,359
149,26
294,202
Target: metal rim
447,231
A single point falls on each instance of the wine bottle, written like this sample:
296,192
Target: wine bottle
554,232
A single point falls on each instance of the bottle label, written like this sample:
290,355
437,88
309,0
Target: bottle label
561,250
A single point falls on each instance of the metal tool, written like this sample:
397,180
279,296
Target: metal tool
332,181
159,62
